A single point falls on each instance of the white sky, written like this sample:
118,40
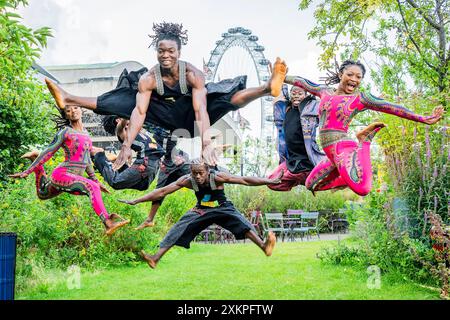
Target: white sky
92,31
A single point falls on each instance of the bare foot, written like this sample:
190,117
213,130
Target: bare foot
32,155
270,243
57,92
278,75
146,224
150,261
363,134
115,216
112,226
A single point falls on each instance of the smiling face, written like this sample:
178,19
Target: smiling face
199,173
350,79
168,53
297,95
73,113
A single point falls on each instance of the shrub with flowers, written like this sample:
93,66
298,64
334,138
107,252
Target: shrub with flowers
411,183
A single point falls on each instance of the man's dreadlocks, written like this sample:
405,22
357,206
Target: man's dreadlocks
169,31
110,124
198,162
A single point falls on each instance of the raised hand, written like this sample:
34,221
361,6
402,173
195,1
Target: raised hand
437,115
123,156
221,148
209,154
277,180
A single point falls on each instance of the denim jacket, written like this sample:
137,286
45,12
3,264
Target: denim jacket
309,119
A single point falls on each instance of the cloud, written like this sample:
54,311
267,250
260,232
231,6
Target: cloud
93,31
74,31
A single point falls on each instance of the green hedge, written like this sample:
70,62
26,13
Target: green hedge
65,231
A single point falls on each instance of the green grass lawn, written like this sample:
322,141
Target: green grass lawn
234,271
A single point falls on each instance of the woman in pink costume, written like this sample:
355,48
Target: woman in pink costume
68,176
348,162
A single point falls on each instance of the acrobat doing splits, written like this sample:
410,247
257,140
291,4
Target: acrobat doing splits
172,95
212,207
348,162
68,175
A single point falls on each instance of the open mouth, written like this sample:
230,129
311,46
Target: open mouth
351,86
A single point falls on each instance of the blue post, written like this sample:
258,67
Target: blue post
8,243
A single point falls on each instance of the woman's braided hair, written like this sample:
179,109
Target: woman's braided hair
168,31
333,76
60,119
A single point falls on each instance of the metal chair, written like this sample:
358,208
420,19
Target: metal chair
339,222
255,220
310,220
294,211
207,235
275,222
295,223
226,236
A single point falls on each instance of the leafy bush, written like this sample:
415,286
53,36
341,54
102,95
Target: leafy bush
24,107
64,231
253,198
392,225
342,254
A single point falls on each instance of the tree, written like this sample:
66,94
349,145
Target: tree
409,37
252,158
24,104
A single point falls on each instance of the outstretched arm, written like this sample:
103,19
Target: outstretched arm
145,86
196,80
223,177
160,193
45,155
311,87
377,104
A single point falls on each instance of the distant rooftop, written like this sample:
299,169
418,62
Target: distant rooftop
89,66
43,72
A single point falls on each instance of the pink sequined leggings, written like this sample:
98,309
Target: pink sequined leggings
62,180
348,165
